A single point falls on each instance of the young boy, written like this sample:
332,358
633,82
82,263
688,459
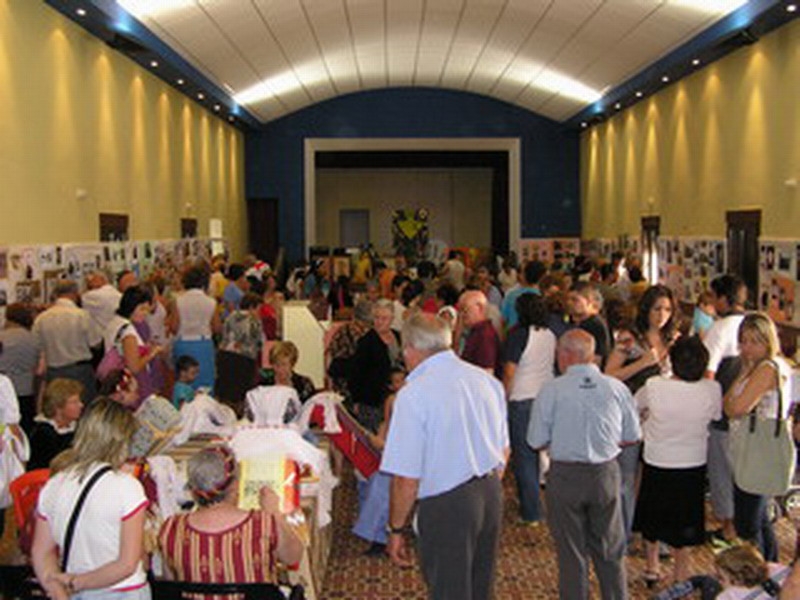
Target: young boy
704,314
186,371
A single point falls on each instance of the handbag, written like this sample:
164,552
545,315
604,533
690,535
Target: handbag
112,360
763,452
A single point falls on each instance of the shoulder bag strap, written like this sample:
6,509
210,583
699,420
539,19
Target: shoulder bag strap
779,416
73,519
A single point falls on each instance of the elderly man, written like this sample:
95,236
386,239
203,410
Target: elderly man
64,333
101,301
583,417
481,344
446,449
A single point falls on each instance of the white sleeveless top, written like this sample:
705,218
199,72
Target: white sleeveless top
195,309
535,366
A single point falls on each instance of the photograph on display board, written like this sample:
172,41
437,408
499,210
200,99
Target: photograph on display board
23,264
28,292
51,279
4,262
3,293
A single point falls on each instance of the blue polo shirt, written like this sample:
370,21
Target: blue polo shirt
448,425
583,416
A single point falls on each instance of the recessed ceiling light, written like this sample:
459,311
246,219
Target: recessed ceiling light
791,8
665,78
618,105
217,107
154,63
180,82
639,94
584,124
231,118
201,96
81,12
696,62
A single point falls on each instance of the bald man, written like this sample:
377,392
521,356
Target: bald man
584,418
481,344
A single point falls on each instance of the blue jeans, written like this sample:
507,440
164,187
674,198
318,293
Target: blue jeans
752,523
524,460
628,461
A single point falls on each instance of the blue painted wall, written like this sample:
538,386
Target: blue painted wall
550,151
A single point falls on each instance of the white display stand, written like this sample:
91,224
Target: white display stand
308,334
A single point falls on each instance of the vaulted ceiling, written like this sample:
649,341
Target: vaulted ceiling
553,57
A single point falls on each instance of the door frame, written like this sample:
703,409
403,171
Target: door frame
510,145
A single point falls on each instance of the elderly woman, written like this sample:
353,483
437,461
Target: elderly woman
239,352
122,334
283,357
252,541
377,352
55,427
104,558
195,319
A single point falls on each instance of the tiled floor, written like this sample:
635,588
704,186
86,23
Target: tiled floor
527,566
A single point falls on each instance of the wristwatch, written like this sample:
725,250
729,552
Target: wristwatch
396,530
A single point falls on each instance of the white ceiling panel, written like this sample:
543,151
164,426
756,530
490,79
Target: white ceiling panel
550,56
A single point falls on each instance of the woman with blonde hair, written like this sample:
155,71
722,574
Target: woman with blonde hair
89,537
763,385
55,427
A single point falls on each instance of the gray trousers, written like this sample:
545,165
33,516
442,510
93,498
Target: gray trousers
585,520
720,473
459,533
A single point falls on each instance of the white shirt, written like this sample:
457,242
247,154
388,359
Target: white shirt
101,304
156,320
677,414
9,404
117,324
196,309
65,333
115,498
722,340
767,406
535,366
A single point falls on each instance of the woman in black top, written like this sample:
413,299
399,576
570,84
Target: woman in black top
378,351
55,427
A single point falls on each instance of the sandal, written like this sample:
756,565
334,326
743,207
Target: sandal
651,578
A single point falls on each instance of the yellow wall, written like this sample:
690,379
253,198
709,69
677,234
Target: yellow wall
78,115
725,138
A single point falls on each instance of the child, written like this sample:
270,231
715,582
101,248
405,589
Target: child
704,314
186,370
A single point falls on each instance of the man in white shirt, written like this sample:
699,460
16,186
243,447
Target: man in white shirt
722,342
101,301
65,335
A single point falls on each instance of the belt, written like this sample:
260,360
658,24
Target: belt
193,338
75,364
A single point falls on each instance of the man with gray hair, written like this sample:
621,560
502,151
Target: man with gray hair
446,449
65,335
583,418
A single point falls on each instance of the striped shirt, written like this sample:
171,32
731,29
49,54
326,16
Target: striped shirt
243,553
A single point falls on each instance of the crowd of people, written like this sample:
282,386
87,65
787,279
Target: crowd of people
581,376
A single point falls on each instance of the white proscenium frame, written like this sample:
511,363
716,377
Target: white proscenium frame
509,145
